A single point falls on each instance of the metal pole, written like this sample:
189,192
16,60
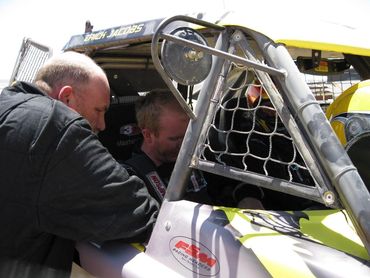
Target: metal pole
330,153
182,168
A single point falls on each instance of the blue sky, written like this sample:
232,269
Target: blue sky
54,22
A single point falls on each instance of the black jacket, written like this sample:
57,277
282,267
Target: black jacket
59,185
157,178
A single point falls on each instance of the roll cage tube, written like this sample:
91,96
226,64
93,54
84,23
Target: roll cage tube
334,163
344,176
181,170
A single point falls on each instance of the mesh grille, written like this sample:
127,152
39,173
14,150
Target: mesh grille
247,133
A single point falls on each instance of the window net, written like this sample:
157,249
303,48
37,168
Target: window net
246,132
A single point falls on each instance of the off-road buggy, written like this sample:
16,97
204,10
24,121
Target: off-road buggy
257,104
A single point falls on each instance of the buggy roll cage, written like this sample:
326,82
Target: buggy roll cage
337,182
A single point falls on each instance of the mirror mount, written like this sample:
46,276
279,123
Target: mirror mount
316,65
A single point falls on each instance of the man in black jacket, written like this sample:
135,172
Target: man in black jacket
163,124
58,184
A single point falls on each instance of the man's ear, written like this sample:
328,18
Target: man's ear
147,134
65,95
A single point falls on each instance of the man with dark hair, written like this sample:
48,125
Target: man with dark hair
58,183
163,124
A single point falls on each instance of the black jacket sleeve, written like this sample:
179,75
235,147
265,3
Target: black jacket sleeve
87,195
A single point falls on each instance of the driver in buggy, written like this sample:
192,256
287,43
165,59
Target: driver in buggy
163,125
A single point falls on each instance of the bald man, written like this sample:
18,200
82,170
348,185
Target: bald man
58,183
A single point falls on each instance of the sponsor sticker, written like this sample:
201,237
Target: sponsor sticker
129,130
194,256
157,183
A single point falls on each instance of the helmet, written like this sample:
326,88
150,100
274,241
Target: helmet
349,114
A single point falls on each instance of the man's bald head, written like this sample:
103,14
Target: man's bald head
78,82
66,68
